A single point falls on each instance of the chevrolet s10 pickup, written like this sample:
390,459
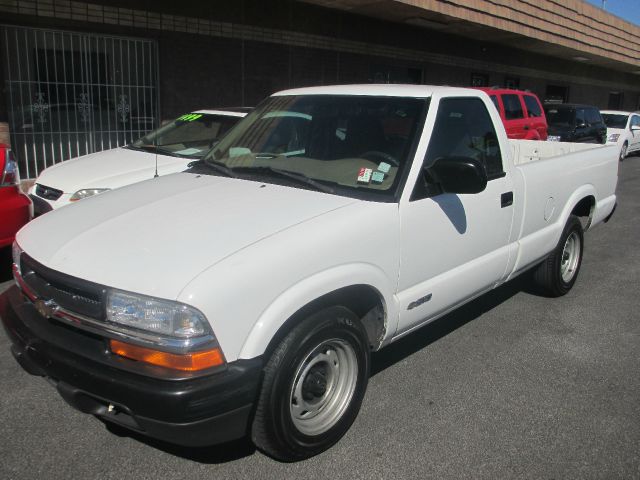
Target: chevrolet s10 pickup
245,296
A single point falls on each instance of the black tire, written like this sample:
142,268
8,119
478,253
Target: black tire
557,274
303,371
623,151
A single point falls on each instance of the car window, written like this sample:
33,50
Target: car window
580,117
593,116
494,99
358,146
635,121
560,117
533,107
512,107
190,135
614,120
464,128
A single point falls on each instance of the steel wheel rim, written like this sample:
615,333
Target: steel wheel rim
323,387
570,257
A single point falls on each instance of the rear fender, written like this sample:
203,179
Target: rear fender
587,191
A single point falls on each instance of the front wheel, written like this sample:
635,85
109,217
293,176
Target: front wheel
557,274
313,386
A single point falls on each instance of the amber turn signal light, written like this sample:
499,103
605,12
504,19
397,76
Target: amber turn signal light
188,362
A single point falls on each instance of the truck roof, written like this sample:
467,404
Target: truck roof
390,90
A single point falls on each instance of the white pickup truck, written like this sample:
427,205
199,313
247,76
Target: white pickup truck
246,295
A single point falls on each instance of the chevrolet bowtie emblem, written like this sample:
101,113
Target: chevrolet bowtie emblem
46,308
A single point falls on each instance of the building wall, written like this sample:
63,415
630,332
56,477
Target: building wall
571,23
236,52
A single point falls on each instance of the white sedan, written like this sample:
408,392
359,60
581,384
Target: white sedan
623,129
168,149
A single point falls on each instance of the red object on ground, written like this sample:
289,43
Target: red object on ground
521,112
15,207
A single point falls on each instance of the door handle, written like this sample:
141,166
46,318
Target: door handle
506,199
526,127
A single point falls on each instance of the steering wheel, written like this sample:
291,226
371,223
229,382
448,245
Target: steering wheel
381,155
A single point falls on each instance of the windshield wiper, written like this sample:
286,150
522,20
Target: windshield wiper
299,177
214,165
150,148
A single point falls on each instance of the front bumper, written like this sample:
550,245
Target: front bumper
191,411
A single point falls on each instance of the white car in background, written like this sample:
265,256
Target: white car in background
168,149
623,129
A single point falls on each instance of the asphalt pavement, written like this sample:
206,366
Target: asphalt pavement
511,386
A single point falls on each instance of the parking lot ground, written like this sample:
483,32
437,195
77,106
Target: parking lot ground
513,385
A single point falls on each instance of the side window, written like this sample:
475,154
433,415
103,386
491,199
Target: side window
494,99
533,107
593,116
580,119
463,128
635,121
512,107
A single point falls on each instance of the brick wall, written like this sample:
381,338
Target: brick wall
236,52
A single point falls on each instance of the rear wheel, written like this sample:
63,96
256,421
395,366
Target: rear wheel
557,274
623,151
313,386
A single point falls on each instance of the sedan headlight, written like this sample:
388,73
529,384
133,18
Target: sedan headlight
162,317
614,137
87,192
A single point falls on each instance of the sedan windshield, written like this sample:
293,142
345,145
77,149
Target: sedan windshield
191,135
614,120
355,146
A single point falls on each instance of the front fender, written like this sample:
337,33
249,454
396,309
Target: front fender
311,288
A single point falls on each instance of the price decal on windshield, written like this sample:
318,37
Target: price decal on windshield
189,117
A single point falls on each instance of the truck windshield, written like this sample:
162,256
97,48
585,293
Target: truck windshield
349,145
191,135
614,120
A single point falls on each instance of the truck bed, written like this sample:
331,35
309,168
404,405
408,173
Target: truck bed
526,151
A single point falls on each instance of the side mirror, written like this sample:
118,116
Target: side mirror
458,174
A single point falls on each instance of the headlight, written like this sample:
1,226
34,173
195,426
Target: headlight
87,192
162,317
614,137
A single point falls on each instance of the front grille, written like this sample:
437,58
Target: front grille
48,193
71,293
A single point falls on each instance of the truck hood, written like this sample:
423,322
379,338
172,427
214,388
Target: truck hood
155,236
108,169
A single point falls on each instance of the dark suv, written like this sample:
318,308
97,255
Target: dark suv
575,123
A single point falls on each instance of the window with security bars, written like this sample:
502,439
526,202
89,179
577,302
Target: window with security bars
70,94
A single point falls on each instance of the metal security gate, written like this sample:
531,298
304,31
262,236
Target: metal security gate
69,94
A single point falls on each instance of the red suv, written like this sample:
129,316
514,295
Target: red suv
521,113
15,207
